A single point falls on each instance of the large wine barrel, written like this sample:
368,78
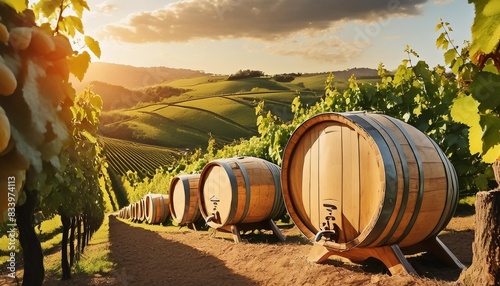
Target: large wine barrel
183,201
372,179
157,210
240,190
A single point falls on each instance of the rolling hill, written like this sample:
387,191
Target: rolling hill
129,76
184,113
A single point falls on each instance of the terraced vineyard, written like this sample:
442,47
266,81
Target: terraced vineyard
126,156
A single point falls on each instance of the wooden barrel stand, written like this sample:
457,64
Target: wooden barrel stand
392,256
237,229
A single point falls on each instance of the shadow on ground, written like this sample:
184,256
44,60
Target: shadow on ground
143,257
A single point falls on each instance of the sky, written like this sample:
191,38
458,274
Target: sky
280,36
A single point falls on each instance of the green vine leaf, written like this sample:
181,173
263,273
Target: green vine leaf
485,88
449,56
79,64
93,46
491,133
465,110
79,6
486,27
17,5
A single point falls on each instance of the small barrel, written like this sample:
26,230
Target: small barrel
126,212
240,190
137,208
366,179
183,201
157,210
133,213
141,210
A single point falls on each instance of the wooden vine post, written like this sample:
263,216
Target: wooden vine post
485,268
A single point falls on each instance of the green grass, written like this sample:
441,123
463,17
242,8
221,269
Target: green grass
191,83
217,86
95,259
242,114
205,122
49,234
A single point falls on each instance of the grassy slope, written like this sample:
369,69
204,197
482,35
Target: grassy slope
212,107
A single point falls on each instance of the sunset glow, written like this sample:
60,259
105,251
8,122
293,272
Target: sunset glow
272,36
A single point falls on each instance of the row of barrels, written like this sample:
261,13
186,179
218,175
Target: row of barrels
227,192
352,179
152,208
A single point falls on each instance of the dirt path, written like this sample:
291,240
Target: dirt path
185,257
144,257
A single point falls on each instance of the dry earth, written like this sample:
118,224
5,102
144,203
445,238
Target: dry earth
185,257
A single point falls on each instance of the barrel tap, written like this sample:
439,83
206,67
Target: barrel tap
215,216
329,229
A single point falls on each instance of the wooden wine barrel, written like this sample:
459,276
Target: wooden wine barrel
141,213
133,215
240,190
123,213
137,212
127,212
157,210
183,201
372,179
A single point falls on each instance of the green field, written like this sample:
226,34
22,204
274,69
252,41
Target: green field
124,155
212,107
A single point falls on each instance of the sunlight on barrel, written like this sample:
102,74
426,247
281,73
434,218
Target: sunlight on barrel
370,179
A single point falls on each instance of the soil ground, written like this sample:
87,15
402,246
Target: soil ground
186,257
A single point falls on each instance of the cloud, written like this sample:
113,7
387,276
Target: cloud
326,47
257,19
442,2
105,7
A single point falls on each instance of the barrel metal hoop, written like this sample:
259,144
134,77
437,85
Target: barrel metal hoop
246,179
420,194
278,204
451,200
187,202
406,179
391,180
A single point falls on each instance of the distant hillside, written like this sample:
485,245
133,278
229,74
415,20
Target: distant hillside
360,73
118,97
130,76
